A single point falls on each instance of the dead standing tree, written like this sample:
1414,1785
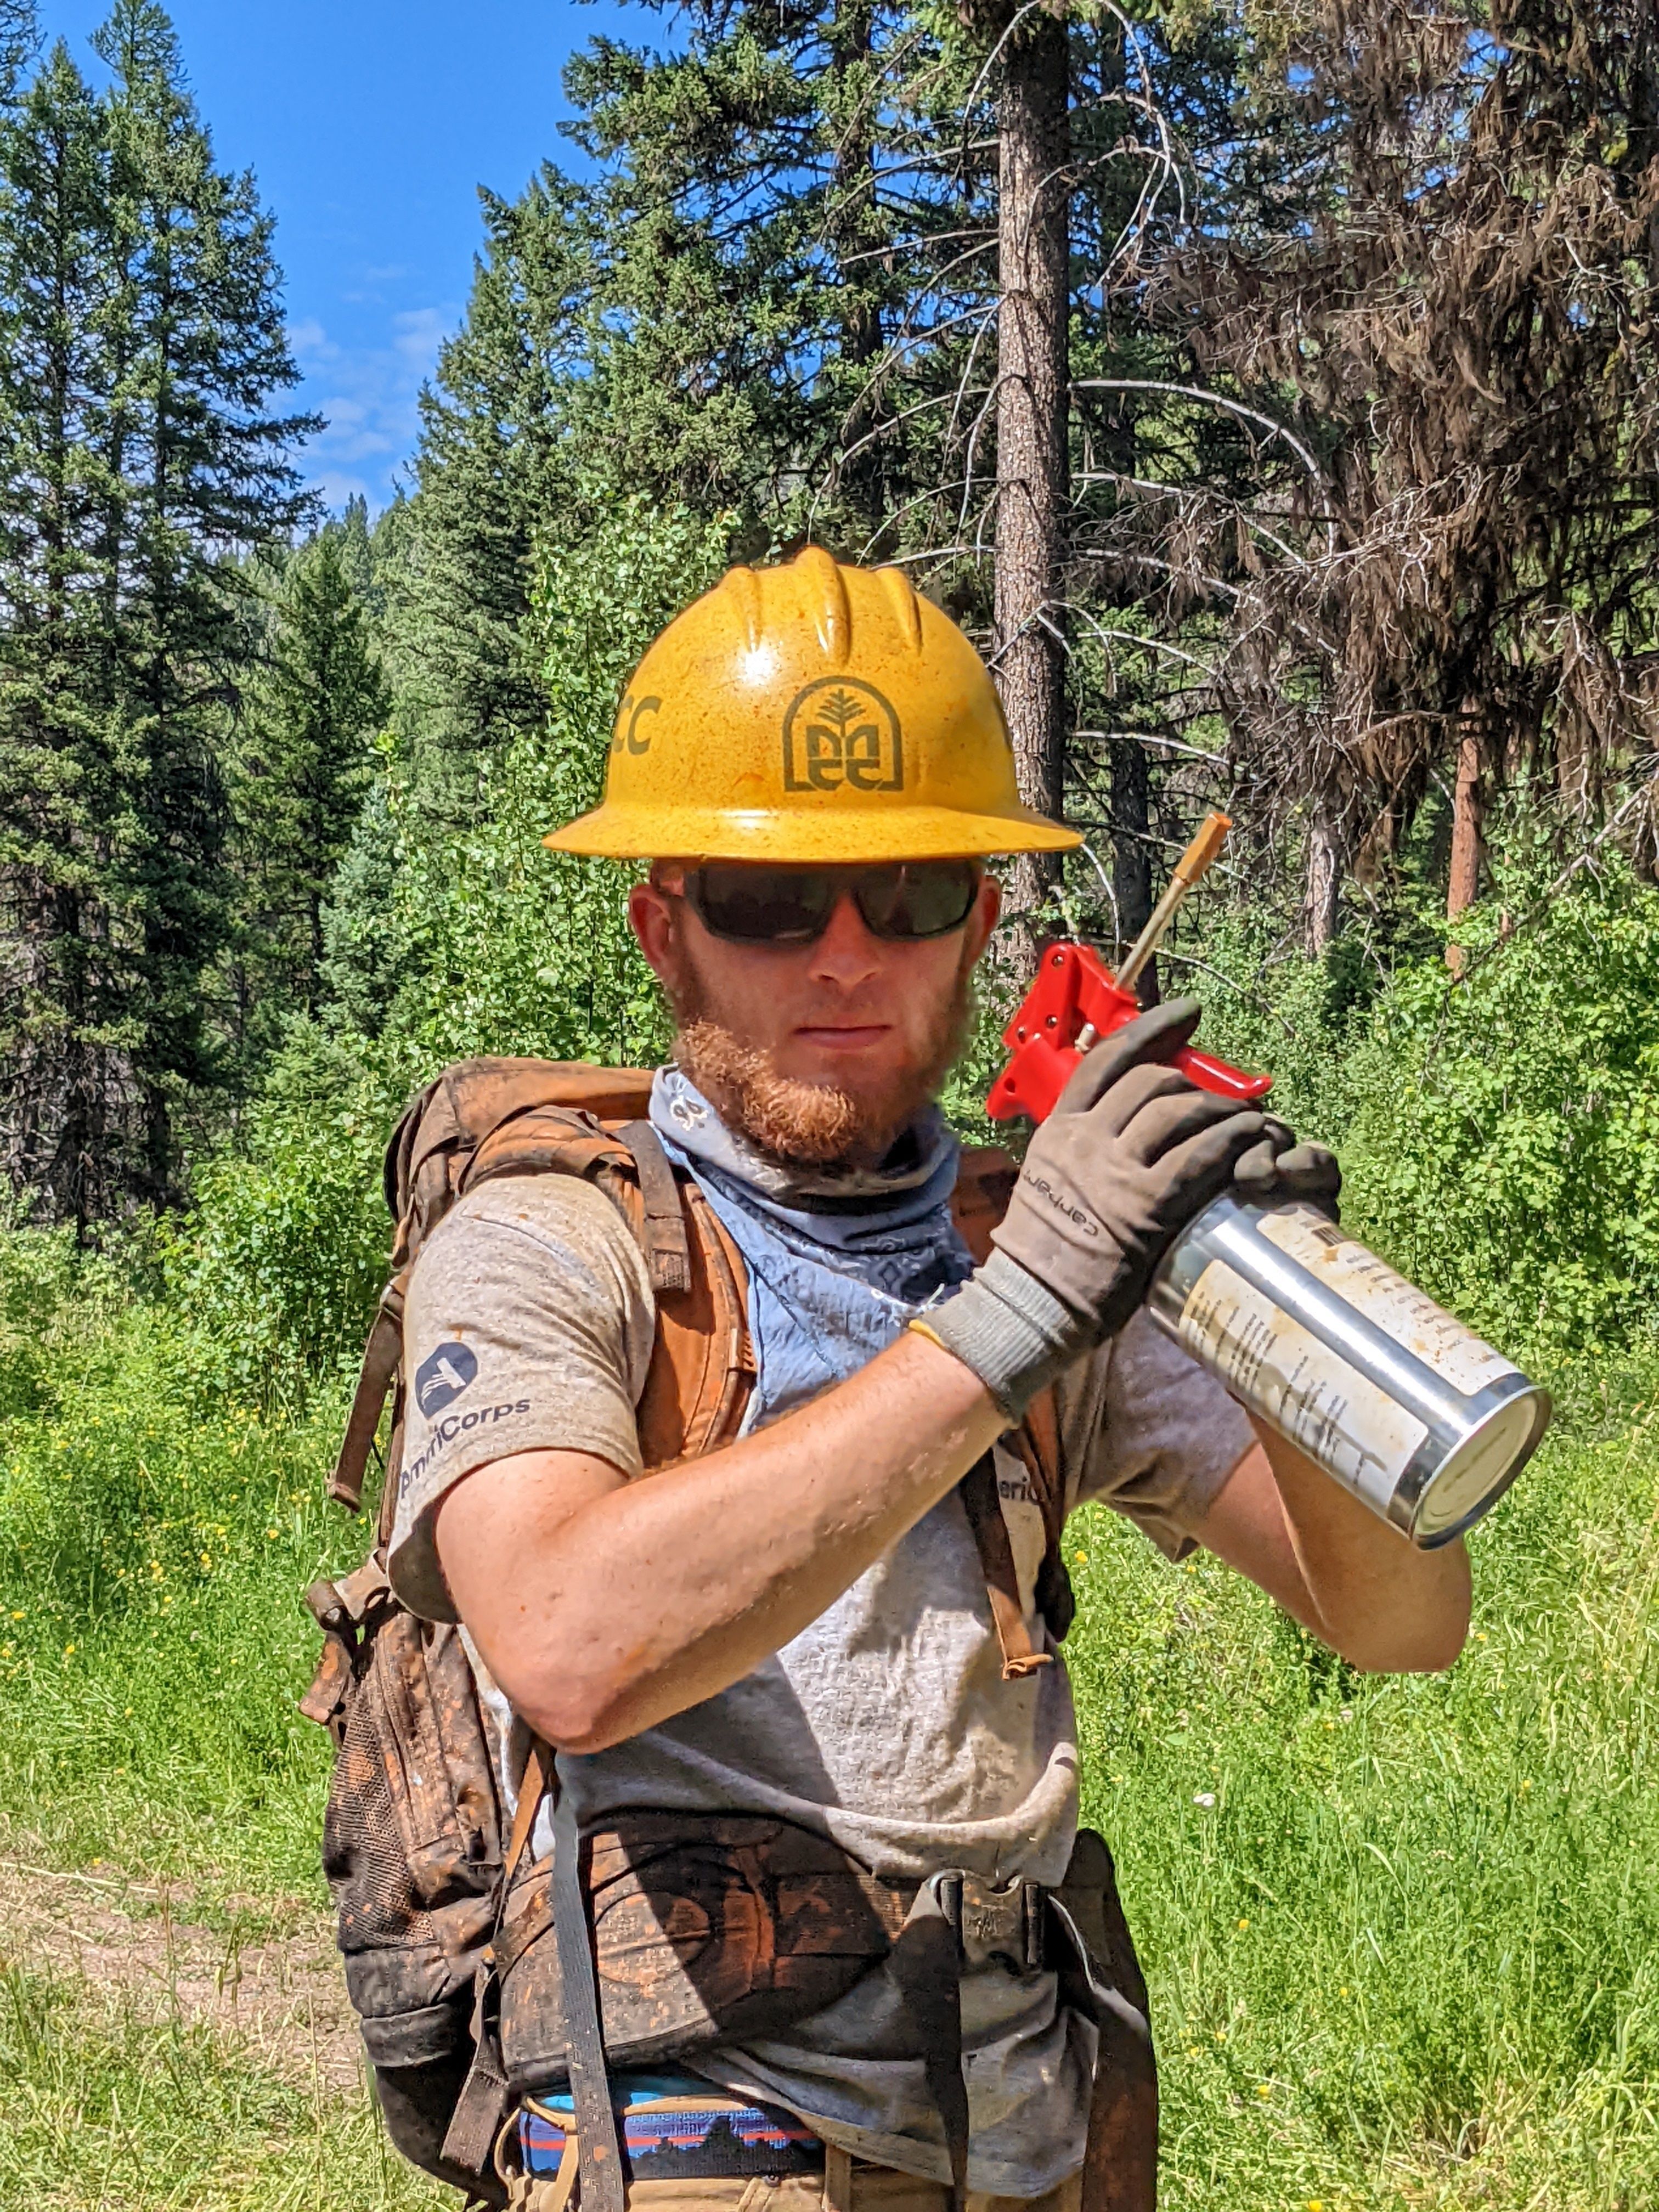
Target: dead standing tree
1463,335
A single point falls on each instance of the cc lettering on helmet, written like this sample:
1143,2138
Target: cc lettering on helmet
627,738
839,734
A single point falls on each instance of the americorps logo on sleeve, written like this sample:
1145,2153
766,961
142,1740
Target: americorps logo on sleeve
440,1380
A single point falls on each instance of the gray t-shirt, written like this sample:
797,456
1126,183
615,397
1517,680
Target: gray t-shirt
886,1724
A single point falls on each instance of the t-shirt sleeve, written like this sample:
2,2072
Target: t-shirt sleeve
527,1327
1150,1433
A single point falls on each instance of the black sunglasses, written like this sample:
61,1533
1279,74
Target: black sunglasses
749,903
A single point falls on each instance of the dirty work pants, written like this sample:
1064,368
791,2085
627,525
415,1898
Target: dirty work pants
849,2186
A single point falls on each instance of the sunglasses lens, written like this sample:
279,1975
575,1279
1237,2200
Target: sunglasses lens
763,906
917,898
750,905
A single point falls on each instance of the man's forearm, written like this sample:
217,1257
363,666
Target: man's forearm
603,1607
1382,1603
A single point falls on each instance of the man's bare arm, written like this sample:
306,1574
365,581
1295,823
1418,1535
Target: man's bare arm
603,1607
1383,1605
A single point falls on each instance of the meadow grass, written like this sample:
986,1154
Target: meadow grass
107,2105
1403,1935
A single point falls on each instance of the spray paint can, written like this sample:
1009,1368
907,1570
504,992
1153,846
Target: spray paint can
1382,1388
1393,1397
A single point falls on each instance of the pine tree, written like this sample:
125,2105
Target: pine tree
65,1011
302,773
208,477
141,336
491,480
785,259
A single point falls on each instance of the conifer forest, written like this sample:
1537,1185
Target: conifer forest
1272,392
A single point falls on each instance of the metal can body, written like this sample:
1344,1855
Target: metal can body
1389,1393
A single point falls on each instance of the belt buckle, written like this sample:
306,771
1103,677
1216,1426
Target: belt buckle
1005,1925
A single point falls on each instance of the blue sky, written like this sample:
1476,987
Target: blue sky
370,124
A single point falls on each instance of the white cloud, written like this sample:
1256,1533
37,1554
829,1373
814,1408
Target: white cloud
368,396
307,340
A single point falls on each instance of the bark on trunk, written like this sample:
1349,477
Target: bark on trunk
1467,843
855,230
1032,410
1322,895
1132,852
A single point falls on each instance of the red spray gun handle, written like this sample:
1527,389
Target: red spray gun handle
1074,991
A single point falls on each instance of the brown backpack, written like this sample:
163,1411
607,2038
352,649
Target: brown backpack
413,1847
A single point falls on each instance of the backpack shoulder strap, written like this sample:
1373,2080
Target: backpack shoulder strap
486,1119
702,1365
668,1249
1037,1441
382,1357
984,1182
986,1177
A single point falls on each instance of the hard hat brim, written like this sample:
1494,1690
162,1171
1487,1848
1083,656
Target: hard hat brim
799,836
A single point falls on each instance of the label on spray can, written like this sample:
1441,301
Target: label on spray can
1309,1393
1398,1307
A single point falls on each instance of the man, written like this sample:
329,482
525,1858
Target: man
798,1625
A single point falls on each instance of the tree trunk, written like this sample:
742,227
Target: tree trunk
855,229
1468,845
1132,852
1032,411
1323,894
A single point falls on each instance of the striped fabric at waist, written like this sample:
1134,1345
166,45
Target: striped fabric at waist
682,2136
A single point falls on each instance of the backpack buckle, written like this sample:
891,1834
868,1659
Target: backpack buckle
1006,1925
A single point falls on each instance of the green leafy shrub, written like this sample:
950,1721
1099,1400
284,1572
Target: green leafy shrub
1499,1132
271,1277
520,950
52,1298
153,1543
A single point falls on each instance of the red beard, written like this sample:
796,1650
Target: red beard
808,1124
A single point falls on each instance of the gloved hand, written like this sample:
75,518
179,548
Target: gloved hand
1279,1168
1133,1151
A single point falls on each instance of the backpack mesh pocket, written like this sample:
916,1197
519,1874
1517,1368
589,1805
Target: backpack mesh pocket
411,1838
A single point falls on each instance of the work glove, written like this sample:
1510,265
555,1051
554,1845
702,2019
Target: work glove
1279,1169
1132,1152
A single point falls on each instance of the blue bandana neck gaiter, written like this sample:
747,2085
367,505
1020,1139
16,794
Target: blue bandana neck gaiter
838,1261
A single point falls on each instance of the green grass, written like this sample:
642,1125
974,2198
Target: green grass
153,1552
1409,1956
105,2106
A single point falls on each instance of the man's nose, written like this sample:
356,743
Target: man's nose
847,954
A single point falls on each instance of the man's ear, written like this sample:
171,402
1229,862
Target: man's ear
654,918
987,907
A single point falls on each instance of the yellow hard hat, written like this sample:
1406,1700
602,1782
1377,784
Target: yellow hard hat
811,712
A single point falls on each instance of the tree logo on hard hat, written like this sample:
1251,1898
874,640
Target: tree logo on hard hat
840,734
